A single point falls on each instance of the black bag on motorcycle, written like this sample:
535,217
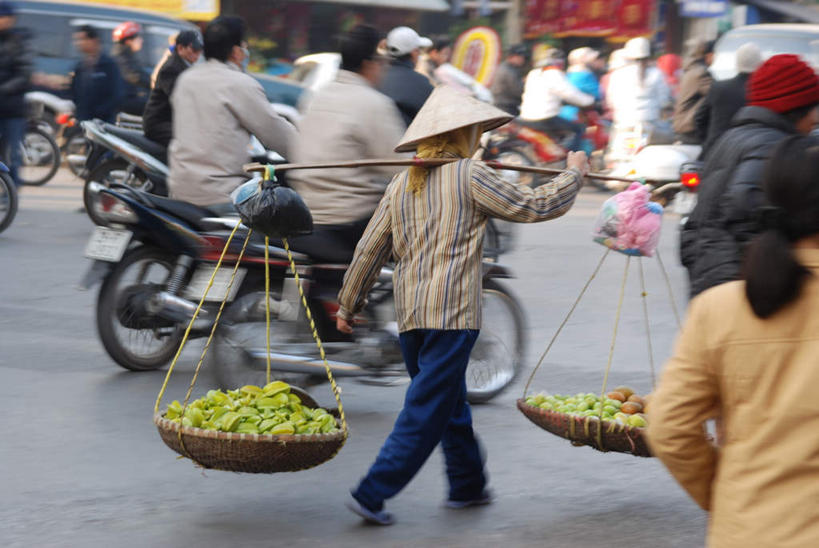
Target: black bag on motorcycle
272,209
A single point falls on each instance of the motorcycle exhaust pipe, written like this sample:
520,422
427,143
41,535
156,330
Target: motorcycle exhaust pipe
288,363
171,307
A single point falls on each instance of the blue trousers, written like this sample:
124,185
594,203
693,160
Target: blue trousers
11,135
435,411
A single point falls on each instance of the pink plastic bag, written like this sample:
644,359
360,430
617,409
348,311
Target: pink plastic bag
629,222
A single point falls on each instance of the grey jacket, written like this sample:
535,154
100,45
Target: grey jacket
694,86
216,108
346,120
407,88
507,88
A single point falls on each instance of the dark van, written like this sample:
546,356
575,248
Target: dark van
52,25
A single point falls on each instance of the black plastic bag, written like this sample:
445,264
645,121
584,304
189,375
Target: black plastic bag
272,209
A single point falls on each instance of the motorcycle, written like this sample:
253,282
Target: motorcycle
8,198
156,259
522,143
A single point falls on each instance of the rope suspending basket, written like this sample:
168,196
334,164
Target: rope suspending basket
274,428
630,224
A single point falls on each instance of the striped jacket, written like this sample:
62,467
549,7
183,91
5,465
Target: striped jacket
436,239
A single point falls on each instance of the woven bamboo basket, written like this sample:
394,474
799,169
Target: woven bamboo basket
252,453
584,431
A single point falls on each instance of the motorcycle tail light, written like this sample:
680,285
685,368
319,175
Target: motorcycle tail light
113,209
690,180
65,119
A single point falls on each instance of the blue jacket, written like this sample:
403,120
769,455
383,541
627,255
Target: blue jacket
585,81
97,91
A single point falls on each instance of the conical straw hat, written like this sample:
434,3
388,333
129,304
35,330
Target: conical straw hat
448,109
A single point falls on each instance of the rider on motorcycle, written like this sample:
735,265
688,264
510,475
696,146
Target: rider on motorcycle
128,41
546,89
216,109
347,119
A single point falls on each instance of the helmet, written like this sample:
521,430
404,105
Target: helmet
126,30
546,56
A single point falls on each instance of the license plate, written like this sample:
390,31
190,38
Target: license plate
201,278
107,244
684,202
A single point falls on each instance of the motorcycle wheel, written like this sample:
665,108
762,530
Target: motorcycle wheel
243,327
8,201
497,356
75,147
107,173
136,349
40,157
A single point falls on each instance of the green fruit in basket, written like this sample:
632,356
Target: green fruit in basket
275,387
546,405
209,425
280,399
250,389
283,428
174,410
248,411
621,417
196,416
217,412
265,403
253,419
297,418
637,421
292,398
186,421
610,409
229,421
247,428
267,424
583,406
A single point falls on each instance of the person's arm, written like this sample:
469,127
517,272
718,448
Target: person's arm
250,106
521,203
21,71
688,395
570,94
372,251
702,118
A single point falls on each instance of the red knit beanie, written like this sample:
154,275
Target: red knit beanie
783,83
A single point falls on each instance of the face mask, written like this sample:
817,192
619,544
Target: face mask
246,60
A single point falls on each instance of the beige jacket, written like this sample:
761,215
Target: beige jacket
346,120
216,108
761,378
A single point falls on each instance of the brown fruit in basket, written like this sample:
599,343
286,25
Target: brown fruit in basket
631,407
625,390
637,399
616,395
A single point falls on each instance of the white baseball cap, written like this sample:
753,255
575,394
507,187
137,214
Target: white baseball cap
403,40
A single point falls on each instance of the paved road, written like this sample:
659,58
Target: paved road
82,465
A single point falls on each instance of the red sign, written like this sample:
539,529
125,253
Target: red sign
605,18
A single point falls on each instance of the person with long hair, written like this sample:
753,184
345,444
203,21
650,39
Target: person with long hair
747,356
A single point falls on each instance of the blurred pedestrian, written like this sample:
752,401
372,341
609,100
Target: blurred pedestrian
15,79
407,88
545,90
433,57
783,95
726,97
670,64
97,87
694,86
216,108
431,221
165,56
157,119
346,119
581,74
507,84
747,357
128,42
617,60
637,96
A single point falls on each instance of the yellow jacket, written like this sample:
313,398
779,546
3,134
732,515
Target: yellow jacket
761,378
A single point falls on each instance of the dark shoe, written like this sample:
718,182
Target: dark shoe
484,499
378,518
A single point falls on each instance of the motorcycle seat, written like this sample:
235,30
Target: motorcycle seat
190,213
138,139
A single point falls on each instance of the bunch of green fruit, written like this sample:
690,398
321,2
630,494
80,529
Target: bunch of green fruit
589,405
270,410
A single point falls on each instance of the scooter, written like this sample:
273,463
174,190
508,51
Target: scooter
8,198
156,258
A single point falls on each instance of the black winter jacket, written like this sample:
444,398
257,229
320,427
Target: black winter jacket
723,101
408,89
15,72
714,238
157,119
137,80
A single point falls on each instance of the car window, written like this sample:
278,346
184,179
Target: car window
770,43
157,41
105,29
48,33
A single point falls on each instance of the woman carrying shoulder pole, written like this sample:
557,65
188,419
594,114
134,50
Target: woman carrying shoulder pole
431,221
